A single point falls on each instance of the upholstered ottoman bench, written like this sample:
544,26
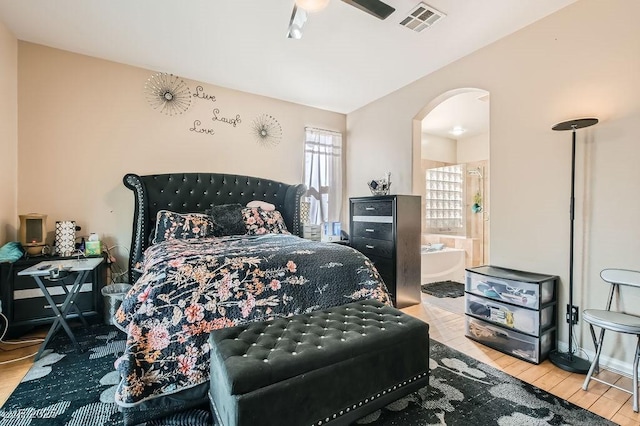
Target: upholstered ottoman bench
325,367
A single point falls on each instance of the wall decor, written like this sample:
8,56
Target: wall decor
266,130
198,129
200,94
232,121
168,93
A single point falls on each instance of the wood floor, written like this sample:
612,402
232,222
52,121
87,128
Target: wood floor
446,323
12,373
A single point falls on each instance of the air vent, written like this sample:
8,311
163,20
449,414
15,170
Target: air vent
422,16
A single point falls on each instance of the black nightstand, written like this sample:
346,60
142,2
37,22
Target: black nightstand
25,306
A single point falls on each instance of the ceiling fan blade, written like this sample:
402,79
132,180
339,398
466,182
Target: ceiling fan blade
376,8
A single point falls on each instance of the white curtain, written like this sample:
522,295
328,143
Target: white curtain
323,174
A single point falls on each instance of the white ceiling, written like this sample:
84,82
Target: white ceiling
345,60
468,110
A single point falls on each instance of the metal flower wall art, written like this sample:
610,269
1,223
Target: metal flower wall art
168,93
266,130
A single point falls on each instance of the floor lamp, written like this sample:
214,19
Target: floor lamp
568,361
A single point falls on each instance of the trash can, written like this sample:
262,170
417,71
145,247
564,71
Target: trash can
113,296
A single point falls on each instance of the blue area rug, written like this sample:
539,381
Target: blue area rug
65,388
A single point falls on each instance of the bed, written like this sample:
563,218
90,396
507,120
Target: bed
187,285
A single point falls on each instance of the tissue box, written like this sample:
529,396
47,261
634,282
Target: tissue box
92,248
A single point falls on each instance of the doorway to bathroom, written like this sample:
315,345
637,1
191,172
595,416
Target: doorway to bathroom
451,173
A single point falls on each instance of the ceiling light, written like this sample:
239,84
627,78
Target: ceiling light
457,130
297,21
295,32
312,5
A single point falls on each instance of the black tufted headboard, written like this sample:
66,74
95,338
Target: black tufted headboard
196,192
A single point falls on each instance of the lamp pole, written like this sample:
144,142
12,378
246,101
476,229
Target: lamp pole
568,361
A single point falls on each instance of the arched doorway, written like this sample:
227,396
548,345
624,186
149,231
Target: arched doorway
451,174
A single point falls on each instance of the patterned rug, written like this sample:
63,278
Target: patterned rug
444,289
65,388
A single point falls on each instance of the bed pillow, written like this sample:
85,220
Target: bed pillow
171,225
258,221
228,219
262,204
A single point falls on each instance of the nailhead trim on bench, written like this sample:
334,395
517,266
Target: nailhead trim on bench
366,400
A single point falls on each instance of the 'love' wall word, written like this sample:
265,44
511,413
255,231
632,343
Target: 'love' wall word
196,128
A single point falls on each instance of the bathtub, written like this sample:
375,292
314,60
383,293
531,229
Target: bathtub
442,265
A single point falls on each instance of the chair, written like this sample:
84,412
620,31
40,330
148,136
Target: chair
618,322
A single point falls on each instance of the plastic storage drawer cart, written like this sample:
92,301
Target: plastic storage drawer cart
512,311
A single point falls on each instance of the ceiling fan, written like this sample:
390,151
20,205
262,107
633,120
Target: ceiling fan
376,8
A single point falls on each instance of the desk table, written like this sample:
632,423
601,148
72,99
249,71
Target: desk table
81,267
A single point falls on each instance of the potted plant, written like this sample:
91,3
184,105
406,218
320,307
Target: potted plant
477,203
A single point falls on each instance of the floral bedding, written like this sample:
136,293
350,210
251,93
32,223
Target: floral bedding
190,287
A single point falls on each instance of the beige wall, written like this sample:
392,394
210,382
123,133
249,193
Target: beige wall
581,61
475,148
85,122
437,148
8,134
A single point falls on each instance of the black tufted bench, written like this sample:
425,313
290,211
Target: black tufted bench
325,367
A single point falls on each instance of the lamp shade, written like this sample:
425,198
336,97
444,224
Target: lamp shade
33,231
312,5
578,123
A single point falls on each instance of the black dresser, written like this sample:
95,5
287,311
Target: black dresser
387,229
24,304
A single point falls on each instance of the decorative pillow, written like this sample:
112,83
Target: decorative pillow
259,221
228,219
171,225
262,204
11,252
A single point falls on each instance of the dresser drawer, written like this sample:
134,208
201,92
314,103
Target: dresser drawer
532,349
369,246
22,282
517,318
34,308
372,208
506,285
375,230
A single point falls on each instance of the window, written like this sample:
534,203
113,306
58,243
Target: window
323,174
444,203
